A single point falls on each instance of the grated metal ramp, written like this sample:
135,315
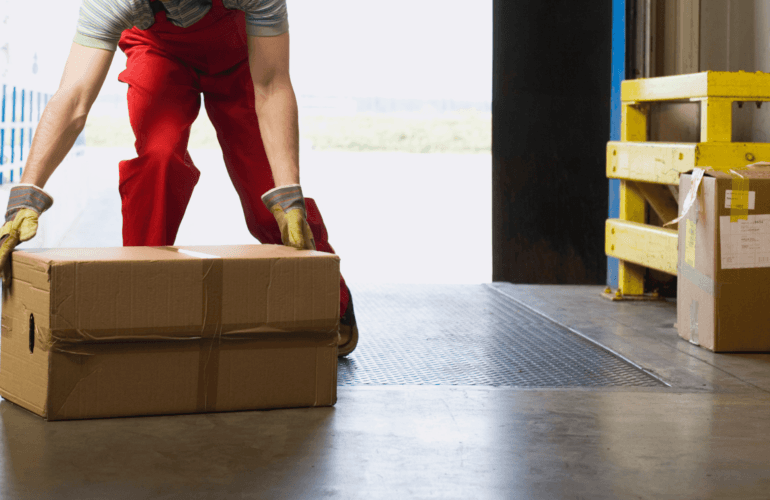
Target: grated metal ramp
471,335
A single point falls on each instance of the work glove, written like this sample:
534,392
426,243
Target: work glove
288,207
25,205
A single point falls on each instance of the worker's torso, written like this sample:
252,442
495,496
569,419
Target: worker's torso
214,43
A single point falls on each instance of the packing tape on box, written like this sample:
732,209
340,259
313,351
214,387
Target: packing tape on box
266,341
694,338
739,201
689,201
57,339
700,280
211,326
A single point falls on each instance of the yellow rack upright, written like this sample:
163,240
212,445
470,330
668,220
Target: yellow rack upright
646,168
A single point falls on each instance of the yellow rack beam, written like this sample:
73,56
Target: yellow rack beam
649,246
735,86
643,167
661,163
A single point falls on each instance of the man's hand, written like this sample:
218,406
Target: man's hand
288,206
25,205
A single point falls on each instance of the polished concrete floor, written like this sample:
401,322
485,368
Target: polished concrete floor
705,436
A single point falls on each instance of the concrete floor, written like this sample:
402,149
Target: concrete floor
705,436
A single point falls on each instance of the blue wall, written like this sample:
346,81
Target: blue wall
618,74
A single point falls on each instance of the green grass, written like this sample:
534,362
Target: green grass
469,132
460,132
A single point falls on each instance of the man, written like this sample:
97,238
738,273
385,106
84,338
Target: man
235,53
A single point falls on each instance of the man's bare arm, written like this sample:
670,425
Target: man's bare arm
65,115
276,105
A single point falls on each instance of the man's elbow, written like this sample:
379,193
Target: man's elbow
75,101
270,84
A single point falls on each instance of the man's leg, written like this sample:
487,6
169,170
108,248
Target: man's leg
155,187
229,101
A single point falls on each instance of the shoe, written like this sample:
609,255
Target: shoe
348,330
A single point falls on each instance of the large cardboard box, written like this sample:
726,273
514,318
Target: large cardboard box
108,332
723,296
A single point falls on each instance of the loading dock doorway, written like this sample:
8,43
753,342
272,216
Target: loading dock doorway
395,142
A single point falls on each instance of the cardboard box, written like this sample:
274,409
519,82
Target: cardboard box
723,295
109,332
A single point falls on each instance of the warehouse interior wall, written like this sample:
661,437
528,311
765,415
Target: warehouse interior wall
673,41
550,126
689,36
735,36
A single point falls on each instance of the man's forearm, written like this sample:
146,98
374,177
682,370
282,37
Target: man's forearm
277,113
62,121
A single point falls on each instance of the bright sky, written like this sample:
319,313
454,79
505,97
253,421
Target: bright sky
424,49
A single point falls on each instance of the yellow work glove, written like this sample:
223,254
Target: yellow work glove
288,207
25,205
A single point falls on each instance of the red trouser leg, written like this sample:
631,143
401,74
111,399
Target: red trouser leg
229,101
155,187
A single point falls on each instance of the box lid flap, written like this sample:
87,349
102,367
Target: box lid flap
756,172
750,172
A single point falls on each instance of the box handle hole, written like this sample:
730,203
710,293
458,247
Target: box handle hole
31,333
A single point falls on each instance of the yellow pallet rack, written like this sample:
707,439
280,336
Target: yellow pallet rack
645,168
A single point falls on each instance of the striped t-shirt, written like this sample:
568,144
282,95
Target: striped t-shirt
101,22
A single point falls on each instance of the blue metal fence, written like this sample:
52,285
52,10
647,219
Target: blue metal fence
18,120
20,113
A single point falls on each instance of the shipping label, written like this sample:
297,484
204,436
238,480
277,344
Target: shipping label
745,243
740,201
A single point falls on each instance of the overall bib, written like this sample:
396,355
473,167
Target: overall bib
167,70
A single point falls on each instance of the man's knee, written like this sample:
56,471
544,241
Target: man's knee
159,147
159,167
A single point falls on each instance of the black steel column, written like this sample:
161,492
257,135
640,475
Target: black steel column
550,127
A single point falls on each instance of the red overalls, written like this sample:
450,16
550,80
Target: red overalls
167,70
